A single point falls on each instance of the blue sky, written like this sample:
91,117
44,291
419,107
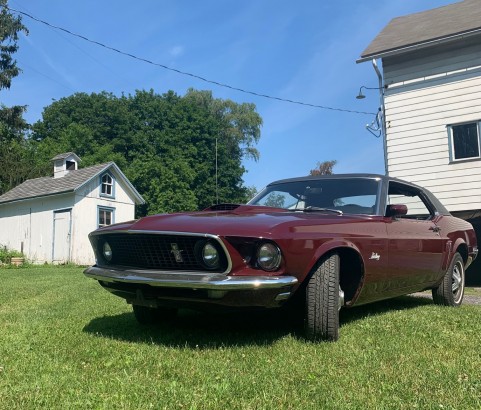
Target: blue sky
304,51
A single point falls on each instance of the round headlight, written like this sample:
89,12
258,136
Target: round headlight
269,257
107,252
210,256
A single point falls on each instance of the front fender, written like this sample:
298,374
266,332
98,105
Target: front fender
328,247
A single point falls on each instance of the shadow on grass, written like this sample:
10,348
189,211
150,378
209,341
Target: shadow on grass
198,329
201,330
380,308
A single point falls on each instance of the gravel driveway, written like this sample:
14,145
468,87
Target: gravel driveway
473,298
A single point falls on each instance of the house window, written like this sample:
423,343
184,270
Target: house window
107,185
464,141
105,216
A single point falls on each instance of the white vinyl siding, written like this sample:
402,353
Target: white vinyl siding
427,93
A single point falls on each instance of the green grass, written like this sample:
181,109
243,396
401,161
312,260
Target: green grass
65,343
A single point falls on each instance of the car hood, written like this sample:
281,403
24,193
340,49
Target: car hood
245,220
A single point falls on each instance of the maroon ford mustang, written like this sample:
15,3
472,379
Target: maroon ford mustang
330,241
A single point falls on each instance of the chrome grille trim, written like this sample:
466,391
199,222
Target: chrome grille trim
104,232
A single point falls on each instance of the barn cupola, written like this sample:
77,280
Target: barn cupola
64,163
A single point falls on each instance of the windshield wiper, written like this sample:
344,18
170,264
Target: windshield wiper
317,209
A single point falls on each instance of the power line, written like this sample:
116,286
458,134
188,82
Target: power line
185,73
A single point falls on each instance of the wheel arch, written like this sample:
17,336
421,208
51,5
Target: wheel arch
351,267
462,248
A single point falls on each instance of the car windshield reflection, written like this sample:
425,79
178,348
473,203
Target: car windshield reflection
343,196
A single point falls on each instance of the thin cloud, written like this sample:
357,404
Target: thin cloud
176,51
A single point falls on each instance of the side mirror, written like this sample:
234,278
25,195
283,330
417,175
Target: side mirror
396,210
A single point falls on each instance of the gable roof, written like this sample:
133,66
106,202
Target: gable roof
71,182
65,155
448,23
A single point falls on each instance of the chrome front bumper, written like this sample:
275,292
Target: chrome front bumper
190,280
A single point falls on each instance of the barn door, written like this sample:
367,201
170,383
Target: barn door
61,235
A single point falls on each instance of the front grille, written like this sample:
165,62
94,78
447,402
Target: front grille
160,252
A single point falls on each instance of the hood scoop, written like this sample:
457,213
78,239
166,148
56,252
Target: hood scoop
223,207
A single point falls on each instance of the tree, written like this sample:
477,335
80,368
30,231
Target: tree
323,168
15,152
180,152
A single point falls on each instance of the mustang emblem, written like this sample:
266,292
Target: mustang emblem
375,256
177,252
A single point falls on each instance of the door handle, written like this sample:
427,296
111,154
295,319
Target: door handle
435,229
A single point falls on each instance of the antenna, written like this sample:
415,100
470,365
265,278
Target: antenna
216,175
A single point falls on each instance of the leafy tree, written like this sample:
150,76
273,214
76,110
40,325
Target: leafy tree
180,152
251,192
275,200
10,26
15,152
323,168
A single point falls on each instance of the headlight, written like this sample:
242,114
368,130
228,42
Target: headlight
210,256
107,252
268,256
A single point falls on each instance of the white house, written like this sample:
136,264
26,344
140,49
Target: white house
49,218
431,81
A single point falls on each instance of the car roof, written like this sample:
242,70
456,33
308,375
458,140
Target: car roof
338,176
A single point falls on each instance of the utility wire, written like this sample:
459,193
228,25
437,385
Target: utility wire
185,73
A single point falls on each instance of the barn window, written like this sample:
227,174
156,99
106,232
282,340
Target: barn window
105,216
107,185
464,141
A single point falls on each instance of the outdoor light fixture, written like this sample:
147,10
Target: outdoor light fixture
361,96
378,125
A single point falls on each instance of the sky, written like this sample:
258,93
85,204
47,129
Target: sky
304,51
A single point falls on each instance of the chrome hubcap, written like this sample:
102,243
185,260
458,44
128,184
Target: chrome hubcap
341,298
458,281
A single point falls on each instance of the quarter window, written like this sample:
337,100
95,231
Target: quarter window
418,207
464,141
107,186
105,217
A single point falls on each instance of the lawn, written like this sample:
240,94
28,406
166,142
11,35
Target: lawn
68,344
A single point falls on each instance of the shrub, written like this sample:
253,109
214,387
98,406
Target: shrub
6,254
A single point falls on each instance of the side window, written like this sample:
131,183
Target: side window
105,216
464,141
418,207
106,185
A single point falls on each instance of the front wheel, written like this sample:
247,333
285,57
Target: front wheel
323,301
450,292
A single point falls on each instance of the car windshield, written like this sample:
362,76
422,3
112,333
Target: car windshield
342,195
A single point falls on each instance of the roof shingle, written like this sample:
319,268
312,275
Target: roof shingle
46,186
425,27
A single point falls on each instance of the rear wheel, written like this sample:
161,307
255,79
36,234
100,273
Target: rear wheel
324,299
150,315
451,290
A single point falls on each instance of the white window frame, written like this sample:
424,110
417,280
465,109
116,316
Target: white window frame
110,184
101,209
452,154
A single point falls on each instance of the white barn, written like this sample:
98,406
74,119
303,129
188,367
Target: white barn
431,81
49,218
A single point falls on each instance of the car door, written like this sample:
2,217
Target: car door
415,242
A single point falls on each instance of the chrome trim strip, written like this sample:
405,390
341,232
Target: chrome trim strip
190,280
200,235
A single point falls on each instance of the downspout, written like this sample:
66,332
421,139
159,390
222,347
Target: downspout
383,114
